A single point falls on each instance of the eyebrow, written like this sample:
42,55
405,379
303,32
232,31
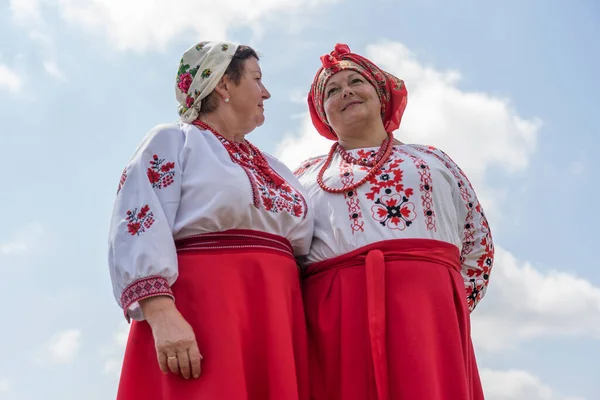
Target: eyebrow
352,75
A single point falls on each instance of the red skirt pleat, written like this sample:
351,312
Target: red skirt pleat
246,310
390,322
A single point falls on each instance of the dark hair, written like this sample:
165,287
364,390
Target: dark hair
235,71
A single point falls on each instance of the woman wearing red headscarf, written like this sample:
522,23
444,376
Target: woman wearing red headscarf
401,254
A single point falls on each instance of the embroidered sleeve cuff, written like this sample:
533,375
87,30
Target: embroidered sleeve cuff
142,289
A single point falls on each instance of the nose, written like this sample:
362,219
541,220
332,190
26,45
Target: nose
265,93
347,91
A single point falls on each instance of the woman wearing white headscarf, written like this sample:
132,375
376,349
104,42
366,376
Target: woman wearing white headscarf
202,242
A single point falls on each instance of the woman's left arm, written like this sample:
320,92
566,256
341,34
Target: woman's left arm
477,253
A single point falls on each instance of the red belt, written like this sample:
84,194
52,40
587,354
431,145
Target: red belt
373,257
235,239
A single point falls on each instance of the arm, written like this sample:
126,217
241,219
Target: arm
477,254
142,256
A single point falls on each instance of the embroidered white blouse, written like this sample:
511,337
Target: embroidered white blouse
418,193
181,181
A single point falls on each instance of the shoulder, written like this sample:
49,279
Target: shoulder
433,151
276,162
163,134
163,138
309,164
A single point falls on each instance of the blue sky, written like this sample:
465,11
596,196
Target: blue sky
510,90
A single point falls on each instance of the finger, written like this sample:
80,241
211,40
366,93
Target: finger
162,362
195,360
173,363
184,363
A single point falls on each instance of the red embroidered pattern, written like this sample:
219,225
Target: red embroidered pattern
394,211
426,189
352,201
139,222
142,289
160,174
479,274
392,207
122,180
275,196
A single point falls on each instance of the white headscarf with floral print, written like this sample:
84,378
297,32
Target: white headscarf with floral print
200,69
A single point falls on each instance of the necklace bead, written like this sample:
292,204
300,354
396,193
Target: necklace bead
383,154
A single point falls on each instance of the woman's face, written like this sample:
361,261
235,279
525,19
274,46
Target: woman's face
350,98
247,98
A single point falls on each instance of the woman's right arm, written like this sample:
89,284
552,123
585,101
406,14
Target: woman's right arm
142,254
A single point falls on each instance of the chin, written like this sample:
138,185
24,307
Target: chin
260,120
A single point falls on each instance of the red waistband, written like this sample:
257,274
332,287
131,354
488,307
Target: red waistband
235,239
397,249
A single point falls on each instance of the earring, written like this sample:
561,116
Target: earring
227,100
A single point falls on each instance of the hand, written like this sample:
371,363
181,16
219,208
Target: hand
176,346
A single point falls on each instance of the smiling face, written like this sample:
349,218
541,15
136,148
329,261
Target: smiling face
350,99
248,96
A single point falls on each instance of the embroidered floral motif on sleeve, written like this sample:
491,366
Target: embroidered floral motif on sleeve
122,180
144,288
139,222
352,201
426,189
393,208
160,173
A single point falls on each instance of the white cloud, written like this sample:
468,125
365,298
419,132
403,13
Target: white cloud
141,25
516,385
64,346
26,12
28,15
4,385
523,304
10,79
23,240
113,364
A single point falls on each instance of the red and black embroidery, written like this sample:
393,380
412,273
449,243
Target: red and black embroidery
139,222
477,272
122,180
279,199
393,208
394,211
357,224
426,189
160,173
143,288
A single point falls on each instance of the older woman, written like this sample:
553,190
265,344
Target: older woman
202,243
402,251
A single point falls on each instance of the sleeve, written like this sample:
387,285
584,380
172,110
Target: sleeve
306,165
142,257
477,254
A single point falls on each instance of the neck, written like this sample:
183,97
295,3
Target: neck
225,126
360,136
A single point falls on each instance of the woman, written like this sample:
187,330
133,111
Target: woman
399,236
202,243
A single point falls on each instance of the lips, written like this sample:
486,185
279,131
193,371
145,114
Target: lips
351,104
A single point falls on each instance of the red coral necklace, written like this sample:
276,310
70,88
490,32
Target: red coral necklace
383,154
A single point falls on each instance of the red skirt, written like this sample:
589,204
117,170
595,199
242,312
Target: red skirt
240,291
390,321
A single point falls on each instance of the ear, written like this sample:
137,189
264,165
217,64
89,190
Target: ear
222,88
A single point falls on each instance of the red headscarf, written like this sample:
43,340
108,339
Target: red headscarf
391,90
